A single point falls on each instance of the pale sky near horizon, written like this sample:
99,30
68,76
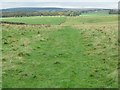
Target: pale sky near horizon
107,4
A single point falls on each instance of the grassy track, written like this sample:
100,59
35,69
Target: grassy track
70,55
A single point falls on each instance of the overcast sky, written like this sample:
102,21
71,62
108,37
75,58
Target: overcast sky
60,3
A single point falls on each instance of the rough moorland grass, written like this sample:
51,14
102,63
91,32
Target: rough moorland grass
90,19
69,56
1,58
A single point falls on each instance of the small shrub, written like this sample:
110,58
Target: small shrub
21,54
4,59
5,42
56,62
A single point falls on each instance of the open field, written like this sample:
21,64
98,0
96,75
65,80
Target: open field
36,20
56,20
61,52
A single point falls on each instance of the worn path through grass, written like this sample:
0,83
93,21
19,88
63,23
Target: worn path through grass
60,56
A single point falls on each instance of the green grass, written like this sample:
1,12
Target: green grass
70,55
36,20
63,20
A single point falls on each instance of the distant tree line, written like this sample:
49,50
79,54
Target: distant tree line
114,11
53,13
43,13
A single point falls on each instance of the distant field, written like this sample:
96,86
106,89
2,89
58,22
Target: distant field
36,20
98,13
62,20
90,20
73,52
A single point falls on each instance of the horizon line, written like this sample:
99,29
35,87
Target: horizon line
60,7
